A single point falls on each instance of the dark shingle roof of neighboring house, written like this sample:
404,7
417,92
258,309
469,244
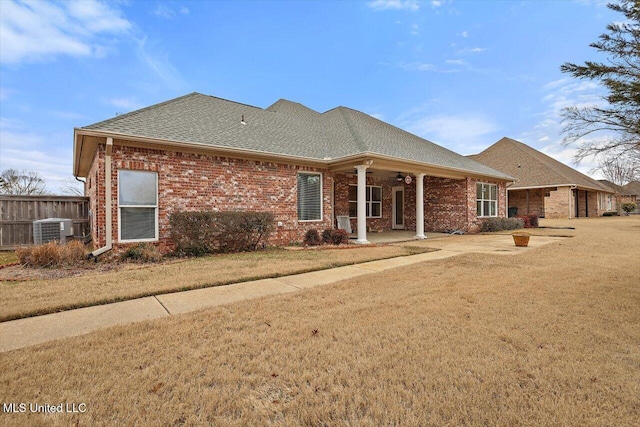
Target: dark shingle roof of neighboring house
284,128
532,169
632,188
614,187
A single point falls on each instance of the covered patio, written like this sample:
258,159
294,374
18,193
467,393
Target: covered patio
396,236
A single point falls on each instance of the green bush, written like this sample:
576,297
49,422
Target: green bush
327,236
200,233
141,252
501,224
610,214
311,238
628,207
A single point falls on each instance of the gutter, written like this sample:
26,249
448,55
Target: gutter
107,190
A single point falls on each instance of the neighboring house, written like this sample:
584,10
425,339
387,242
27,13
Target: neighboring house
620,195
631,191
199,152
544,186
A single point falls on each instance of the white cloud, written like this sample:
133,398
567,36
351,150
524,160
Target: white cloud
39,30
411,5
159,62
23,149
546,134
464,34
456,62
462,133
166,12
415,29
125,104
474,50
436,3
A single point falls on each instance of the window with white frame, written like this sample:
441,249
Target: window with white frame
487,199
138,206
373,201
309,196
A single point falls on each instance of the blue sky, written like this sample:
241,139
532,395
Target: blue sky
462,74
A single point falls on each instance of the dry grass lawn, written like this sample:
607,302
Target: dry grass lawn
548,337
34,297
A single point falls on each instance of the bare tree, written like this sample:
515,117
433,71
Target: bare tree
72,187
620,169
619,117
21,183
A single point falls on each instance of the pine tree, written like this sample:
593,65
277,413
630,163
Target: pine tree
620,116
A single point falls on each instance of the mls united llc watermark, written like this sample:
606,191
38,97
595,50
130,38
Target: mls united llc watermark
60,408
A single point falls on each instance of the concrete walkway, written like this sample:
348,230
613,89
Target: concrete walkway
21,333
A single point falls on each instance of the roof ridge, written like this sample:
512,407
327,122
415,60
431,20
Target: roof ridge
162,104
356,136
564,171
142,110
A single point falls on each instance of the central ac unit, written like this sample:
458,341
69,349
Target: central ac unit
52,229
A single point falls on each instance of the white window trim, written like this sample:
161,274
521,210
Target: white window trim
482,200
321,193
370,202
120,239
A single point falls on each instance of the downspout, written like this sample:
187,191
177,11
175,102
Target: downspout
107,202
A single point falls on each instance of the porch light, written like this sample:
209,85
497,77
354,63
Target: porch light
399,177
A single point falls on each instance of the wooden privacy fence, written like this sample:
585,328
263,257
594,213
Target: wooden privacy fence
17,214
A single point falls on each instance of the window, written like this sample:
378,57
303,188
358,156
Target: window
138,205
309,197
487,199
373,201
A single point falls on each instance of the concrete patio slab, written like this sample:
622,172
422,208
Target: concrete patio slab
198,299
35,330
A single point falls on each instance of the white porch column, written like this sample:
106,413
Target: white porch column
362,204
420,206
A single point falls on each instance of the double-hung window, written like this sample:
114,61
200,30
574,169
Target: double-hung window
373,201
138,206
309,196
487,199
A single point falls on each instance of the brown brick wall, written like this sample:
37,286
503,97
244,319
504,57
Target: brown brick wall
199,182
196,182
342,183
528,202
559,203
448,203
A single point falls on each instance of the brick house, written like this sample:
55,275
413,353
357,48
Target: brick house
622,194
199,152
544,186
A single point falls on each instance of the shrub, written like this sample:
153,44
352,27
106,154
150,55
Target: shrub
335,236
501,224
610,214
339,237
628,207
51,255
311,238
200,233
142,252
73,253
530,221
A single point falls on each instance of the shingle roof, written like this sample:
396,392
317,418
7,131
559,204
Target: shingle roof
632,188
284,128
531,168
614,187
